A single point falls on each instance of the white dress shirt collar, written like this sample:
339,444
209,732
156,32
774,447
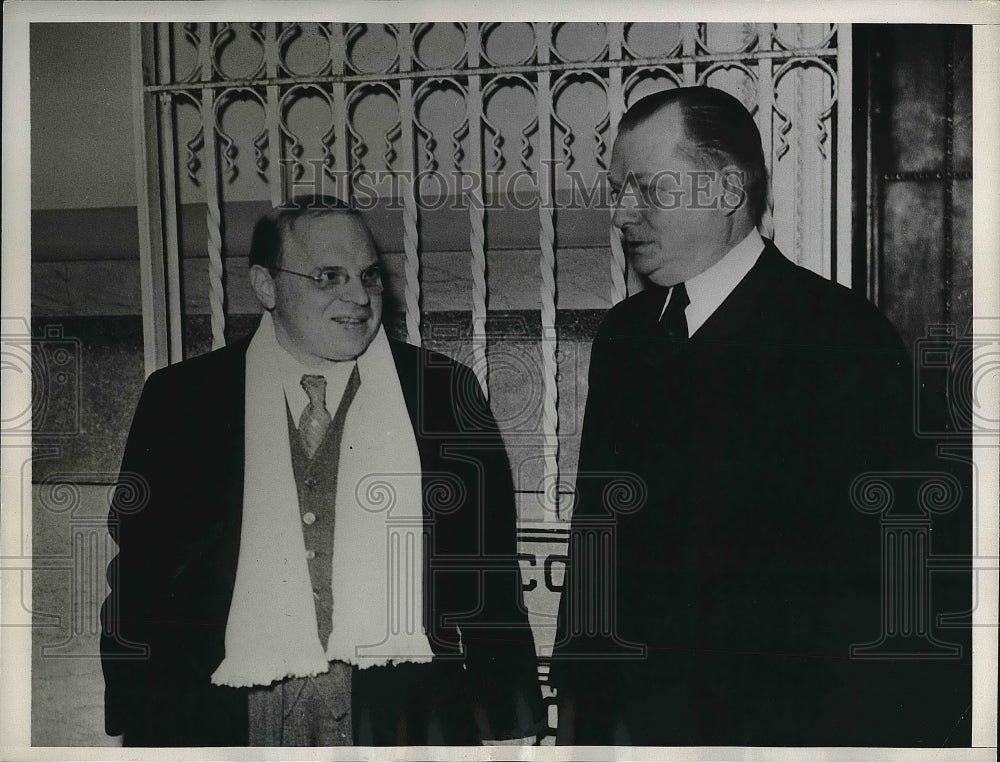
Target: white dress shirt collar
709,289
337,375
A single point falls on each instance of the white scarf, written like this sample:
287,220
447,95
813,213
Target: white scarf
378,552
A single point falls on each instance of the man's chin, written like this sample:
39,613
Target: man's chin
644,258
352,341
648,274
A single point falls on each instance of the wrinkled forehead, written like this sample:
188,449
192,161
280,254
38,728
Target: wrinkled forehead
328,239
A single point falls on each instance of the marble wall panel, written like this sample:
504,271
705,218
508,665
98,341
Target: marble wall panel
83,408
512,222
111,287
915,99
913,241
49,288
962,124
961,266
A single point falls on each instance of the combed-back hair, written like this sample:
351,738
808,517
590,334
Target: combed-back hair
268,233
718,131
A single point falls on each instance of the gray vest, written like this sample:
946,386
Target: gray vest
312,711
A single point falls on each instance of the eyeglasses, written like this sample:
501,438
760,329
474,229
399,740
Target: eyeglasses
335,278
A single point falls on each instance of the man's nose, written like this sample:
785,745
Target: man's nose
626,211
354,291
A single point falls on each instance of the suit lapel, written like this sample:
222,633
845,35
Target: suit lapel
745,313
744,316
644,339
407,361
227,451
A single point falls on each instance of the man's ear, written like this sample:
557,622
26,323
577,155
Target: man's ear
262,284
734,194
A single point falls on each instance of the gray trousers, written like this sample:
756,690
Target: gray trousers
303,711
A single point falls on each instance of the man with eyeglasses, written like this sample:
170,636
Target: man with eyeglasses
325,550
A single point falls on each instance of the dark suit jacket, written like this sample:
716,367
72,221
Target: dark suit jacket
740,572
178,532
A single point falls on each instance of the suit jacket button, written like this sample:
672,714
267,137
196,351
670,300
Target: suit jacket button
308,518
310,554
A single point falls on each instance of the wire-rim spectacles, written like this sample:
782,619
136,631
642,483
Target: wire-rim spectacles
334,278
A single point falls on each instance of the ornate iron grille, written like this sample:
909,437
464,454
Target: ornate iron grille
255,111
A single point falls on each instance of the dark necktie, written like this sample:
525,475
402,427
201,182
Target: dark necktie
674,323
315,418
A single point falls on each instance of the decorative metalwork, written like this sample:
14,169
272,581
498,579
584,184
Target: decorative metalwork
558,87
545,120
226,142
616,107
190,33
649,72
439,84
474,126
195,144
822,118
359,148
627,47
489,29
421,31
746,38
223,38
827,40
365,94
355,33
554,52
287,36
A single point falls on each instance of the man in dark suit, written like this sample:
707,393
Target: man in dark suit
718,573
320,549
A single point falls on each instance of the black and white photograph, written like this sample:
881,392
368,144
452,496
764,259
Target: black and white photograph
446,382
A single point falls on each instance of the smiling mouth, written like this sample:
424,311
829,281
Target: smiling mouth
353,321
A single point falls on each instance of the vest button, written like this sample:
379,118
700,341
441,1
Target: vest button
308,518
310,482
310,554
